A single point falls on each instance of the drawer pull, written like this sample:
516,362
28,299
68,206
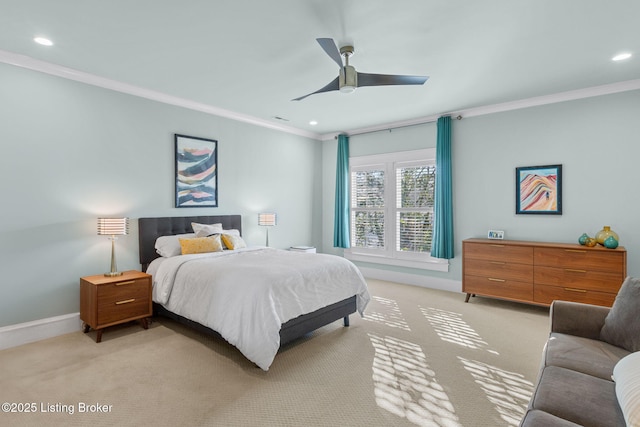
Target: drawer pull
573,270
126,301
130,282
497,246
495,280
497,262
582,291
579,251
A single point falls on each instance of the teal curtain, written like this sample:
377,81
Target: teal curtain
442,243
341,215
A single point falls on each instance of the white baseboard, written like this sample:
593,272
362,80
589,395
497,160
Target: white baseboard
23,333
412,279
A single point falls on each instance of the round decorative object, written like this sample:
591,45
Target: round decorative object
611,242
591,242
606,231
583,239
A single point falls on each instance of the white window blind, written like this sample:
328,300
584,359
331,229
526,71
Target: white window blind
392,207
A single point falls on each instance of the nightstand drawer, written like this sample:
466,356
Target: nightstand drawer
118,302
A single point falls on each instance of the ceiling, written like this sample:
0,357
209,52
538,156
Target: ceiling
251,57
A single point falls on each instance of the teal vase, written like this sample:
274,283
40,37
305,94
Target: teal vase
610,242
583,239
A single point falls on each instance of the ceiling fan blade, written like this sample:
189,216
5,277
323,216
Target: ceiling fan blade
334,85
365,79
329,46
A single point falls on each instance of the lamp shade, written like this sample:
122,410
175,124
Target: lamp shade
267,218
113,226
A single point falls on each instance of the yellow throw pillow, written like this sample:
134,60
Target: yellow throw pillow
233,242
199,245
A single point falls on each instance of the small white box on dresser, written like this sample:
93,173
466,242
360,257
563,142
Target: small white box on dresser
309,249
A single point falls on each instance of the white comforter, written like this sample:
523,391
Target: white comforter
246,295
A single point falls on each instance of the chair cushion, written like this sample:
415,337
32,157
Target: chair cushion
622,324
584,355
577,397
536,418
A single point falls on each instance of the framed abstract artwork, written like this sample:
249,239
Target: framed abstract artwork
196,169
539,190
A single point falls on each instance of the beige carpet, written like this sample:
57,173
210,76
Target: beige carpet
419,357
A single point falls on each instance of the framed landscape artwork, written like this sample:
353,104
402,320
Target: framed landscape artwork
196,182
539,190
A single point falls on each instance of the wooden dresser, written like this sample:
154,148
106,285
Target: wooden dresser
539,272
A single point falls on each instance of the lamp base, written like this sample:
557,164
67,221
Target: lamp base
113,274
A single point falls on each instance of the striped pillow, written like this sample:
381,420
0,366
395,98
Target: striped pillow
626,374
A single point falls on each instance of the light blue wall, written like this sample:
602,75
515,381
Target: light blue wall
73,152
597,140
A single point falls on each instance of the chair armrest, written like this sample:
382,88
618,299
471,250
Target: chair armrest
578,319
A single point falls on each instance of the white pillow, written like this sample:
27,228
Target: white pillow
232,232
626,374
206,230
168,246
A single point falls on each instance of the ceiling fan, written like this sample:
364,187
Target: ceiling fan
349,79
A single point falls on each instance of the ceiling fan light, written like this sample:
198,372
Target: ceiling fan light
347,89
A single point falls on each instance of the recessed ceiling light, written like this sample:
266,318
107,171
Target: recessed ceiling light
43,41
621,56
313,122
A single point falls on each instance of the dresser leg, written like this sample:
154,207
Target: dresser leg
145,323
85,327
467,297
99,335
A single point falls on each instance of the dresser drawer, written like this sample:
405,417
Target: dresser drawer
498,252
584,259
547,294
502,288
498,270
578,278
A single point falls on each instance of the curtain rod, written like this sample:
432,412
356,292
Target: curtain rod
389,129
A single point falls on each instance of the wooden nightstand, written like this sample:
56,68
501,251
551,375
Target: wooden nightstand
107,301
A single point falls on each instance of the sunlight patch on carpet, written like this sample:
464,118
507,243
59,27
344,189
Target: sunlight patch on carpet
509,392
451,328
405,385
386,312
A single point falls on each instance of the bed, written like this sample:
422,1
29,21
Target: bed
183,292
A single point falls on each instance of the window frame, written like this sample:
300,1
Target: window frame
389,162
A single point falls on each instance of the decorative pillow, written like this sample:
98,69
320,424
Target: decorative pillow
626,374
622,324
204,230
233,242
232,232
199,245
168,246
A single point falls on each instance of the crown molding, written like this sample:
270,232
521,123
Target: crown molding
572,95
94,80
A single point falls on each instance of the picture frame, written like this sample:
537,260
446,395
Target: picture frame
539,190
196,172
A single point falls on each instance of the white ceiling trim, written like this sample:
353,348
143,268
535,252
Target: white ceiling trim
572,95
91,79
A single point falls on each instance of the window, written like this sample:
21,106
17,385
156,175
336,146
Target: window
392,212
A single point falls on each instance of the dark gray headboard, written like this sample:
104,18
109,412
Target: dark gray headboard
149,229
